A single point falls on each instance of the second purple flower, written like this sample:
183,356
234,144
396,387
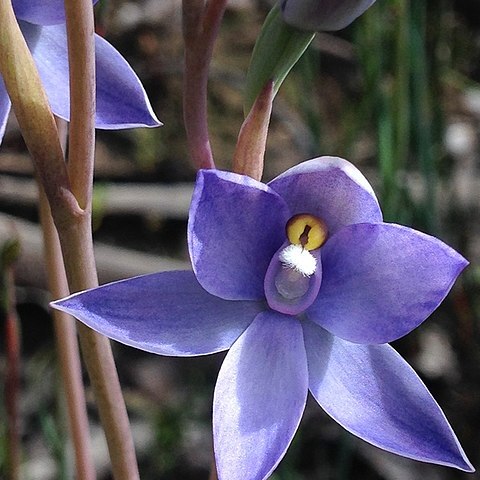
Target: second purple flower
121,99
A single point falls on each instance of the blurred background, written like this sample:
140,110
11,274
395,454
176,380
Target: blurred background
397,93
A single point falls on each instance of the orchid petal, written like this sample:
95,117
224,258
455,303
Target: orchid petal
41,12
121,99
167,313
236,224
373,393
5,106
380,281
323,15
259,398
330,188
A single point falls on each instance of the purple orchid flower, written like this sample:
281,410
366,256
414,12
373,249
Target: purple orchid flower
305,285
121,98
323,15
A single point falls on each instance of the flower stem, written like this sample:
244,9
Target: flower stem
67,347
12,347
200,29
71,216
76,237
249,153
31,107
213,471
81,61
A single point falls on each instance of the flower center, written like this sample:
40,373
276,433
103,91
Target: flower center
305,233
297,258
294,275
291,284
306,230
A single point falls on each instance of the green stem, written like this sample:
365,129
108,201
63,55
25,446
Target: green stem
423,113
31,107
402,87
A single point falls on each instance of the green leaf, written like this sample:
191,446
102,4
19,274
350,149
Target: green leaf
278,48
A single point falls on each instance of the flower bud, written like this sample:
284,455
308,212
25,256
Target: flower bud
322,15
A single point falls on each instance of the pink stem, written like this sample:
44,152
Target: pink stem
76,237
200,29
67,348
249,153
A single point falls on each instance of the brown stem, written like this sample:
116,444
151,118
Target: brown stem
81,61
97,353
12,376
31,107
36,121
213,471
200,29
76,237
67,348
252,139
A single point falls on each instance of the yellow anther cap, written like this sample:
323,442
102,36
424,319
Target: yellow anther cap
306,230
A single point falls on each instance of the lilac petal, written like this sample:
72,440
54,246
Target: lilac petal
330,188
121,99
167,313
4,108
259,398
41,12
380,281
373,393
323,15
236,224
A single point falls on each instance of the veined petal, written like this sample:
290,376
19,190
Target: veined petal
380,281
373,393
4,108
330,188
259,398
323,15
121,99
41,12
235,226
167,313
